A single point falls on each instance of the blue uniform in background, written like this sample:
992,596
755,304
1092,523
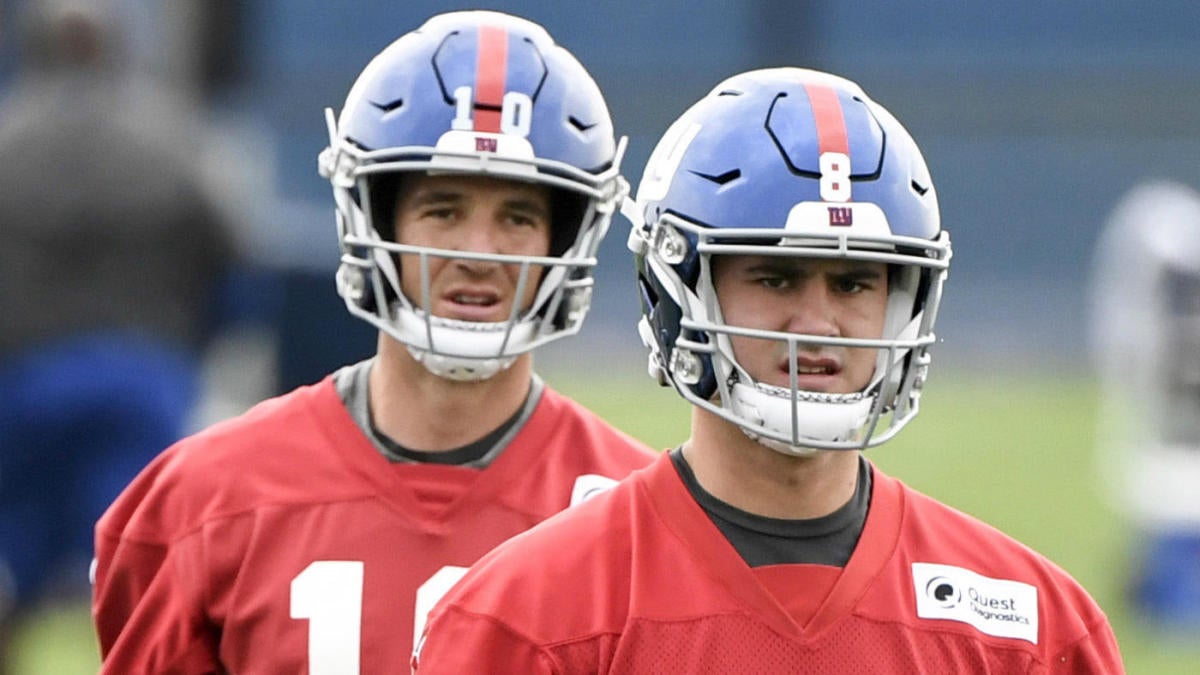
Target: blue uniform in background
78,419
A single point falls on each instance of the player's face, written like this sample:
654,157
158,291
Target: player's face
478,214
826,298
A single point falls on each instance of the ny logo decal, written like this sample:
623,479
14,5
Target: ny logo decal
841,216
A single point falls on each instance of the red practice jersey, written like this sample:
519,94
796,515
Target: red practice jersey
639,580
283,541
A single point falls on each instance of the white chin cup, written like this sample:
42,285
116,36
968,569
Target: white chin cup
819,417
458,368
467,351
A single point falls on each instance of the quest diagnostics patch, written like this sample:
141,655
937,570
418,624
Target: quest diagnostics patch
998,607
589,485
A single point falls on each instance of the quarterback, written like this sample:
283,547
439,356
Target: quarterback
474,172
790,260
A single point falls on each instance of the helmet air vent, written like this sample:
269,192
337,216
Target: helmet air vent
579,124
389,106
721,178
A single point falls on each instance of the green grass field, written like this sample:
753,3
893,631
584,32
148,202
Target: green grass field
1018,455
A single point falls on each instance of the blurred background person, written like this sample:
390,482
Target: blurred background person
1146,338
114,255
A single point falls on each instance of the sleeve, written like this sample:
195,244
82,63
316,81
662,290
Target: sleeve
1095,653
147,615
456,641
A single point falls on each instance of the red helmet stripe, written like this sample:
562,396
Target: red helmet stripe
830,121
489,77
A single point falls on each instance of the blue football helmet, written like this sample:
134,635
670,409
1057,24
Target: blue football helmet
472,92
787,162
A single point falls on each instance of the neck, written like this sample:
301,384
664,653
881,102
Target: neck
422,411
754,478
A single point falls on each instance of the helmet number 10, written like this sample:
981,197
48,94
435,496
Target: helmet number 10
516,112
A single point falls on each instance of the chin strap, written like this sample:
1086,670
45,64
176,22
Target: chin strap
466,351
460,369
780,446
832,418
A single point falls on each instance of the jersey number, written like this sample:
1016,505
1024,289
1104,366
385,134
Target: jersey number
329,594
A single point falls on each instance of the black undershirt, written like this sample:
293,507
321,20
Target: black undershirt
761,541
471,452
351,383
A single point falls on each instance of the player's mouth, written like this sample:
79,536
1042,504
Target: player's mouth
473,304
812,373
470,299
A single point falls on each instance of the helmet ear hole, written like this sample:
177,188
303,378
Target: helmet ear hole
567,211
384,194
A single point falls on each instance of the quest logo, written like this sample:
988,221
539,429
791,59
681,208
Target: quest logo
943,591
999,607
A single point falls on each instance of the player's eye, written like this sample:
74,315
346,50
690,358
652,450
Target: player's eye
520,219
773,281
438,212
850,284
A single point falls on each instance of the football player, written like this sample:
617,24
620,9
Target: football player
790,259
1145,322
117,270
474,172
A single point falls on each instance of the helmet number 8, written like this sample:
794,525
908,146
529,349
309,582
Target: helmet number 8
516,112
835,177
